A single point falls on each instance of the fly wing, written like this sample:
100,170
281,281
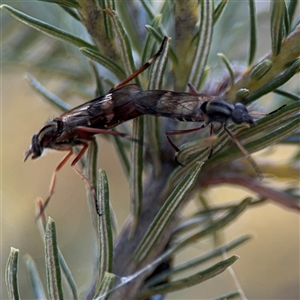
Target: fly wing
105,111
175,105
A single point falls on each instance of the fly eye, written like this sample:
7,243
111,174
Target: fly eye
237,116
240,114
36,146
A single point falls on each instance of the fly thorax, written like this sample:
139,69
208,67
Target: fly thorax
217,110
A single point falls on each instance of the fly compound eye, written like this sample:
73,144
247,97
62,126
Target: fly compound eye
240,114
35,149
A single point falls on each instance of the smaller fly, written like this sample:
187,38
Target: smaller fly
78,126
196,107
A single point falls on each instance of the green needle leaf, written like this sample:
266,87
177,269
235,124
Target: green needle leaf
47,28
197,261
189,281
104,230
51,98
104,61
277,25
166,213
219,10
35,279
136,179
253,37
71,3
11,271
52,262
204,41
106,286
123,42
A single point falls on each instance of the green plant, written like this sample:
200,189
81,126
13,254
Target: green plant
156,232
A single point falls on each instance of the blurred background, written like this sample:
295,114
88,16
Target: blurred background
268,267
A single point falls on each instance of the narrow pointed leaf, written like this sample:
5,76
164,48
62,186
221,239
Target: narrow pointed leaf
218,224
197,261
107,285
198,150
275,83
68,277
73,13
186,17
190,280
11,272
204,42
289,95
52,262
150,41
51,98
292,8
98,80
104,227
104,61
166,213
259,144
70,3
110,4
277,25
123,42
152,124
219,10
120,148
232,295
47,28
229,67
148,8
261,69
158,68
136,179
132,21
253,37
35,280
284,62
159,37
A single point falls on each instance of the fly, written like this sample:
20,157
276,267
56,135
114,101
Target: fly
78,126
195,107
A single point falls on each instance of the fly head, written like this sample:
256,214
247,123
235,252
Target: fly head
45,138
241,115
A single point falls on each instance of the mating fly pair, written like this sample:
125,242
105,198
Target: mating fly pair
78,126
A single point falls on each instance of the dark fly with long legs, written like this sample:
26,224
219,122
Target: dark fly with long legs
195,107
78,126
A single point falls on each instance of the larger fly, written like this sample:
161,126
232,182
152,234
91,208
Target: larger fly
78,126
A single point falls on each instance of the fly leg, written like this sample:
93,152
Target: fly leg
144,67
53,182
258,114
83,177
178,132
245,152
86,133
